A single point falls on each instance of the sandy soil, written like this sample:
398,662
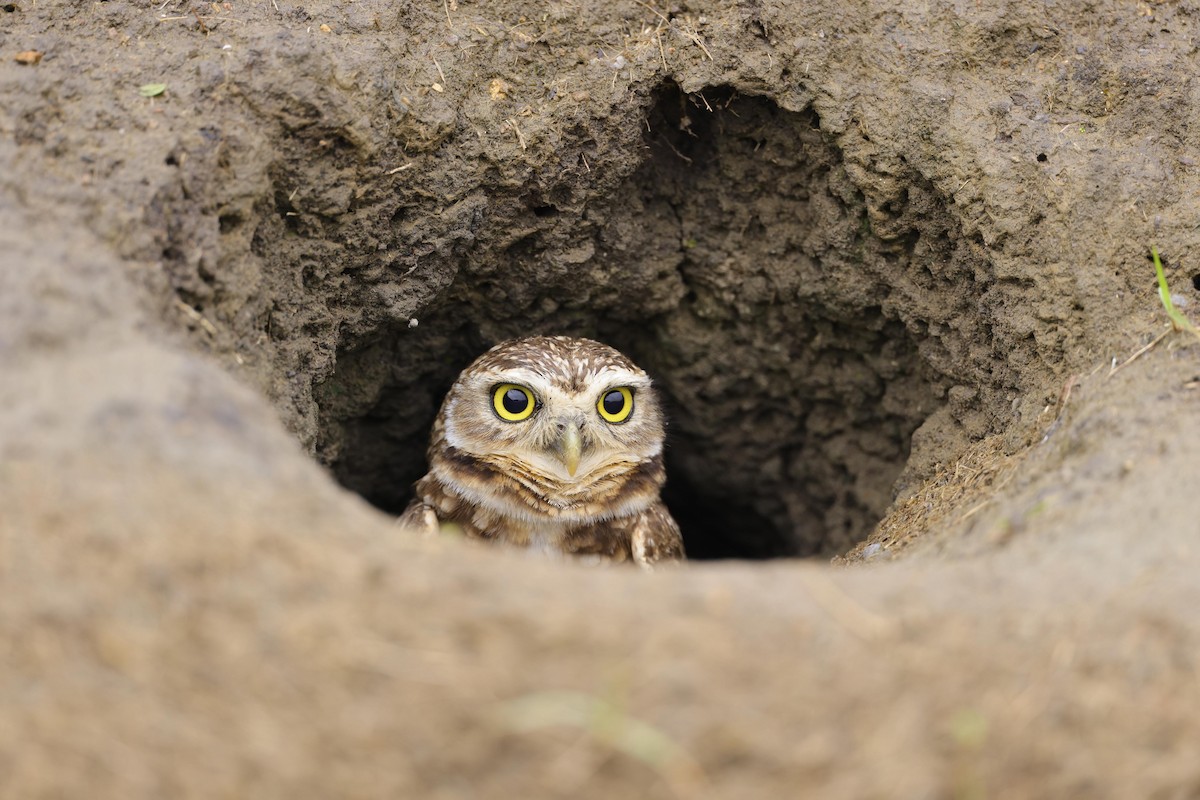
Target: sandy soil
888,263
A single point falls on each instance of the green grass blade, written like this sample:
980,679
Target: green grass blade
1178,320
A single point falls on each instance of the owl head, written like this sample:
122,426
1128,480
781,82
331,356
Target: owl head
568,408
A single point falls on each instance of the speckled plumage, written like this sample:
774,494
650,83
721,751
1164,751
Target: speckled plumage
510,482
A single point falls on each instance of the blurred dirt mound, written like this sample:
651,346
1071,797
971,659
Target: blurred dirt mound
887,263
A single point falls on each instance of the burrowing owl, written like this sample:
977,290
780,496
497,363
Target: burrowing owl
554,444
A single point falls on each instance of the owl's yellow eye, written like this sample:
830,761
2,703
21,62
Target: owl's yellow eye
616,404
513,403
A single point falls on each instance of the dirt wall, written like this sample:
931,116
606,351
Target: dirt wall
888,264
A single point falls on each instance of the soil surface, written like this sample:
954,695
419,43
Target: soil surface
888,263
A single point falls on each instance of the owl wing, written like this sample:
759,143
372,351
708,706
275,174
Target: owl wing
655,537
647,538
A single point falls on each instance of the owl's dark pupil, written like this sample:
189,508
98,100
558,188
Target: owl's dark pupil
614,403
515,401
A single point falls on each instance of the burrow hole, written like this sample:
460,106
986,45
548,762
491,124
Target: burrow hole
745,270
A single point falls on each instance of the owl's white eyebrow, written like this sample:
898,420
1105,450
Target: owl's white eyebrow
623,376
520,375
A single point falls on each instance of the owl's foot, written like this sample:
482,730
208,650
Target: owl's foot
419,519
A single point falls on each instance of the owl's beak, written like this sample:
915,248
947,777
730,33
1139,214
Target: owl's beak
570,447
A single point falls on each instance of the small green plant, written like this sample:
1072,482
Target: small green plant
969,730
1178,321
152,89
607,722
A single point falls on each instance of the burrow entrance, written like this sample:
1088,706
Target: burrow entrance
801,320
